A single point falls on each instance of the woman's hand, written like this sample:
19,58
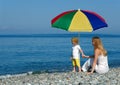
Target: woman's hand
87,56
83,56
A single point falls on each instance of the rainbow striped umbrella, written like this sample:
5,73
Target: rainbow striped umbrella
78,21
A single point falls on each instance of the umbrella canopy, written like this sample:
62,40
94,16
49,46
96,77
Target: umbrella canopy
78,21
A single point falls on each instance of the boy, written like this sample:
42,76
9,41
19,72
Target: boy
76,50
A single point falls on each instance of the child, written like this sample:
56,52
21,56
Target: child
76,50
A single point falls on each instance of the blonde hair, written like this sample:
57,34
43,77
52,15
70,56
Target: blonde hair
98,45
75,39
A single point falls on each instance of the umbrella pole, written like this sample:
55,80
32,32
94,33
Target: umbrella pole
79,36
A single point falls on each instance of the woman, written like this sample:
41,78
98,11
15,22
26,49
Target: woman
99,61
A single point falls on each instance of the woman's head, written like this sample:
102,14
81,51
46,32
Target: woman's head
74,40
97,43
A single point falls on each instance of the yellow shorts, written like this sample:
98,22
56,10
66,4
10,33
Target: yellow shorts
76,62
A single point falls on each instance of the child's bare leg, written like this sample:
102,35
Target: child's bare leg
74,69
79,69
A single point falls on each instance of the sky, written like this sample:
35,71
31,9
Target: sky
34,16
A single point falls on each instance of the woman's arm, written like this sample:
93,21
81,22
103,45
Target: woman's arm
89,56
97,52
84,56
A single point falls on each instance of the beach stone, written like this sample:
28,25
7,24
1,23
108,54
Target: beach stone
113,81
64,78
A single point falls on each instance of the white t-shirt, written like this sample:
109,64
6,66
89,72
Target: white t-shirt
76,51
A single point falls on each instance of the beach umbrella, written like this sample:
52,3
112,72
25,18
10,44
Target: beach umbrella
78,21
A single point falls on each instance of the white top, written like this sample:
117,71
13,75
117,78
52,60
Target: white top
76,51
103,61
102,64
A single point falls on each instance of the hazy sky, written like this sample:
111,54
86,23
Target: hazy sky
34,16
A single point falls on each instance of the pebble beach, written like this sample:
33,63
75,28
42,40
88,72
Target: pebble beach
63,78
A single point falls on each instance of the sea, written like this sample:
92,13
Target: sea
50,52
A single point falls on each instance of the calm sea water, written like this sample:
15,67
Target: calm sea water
19,54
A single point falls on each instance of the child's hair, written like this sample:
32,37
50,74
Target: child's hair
75,39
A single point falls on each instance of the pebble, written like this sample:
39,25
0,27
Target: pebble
63,78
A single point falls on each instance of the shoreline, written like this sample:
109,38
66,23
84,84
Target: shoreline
57,35
62,78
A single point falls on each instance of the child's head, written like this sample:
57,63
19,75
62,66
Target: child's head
74,40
